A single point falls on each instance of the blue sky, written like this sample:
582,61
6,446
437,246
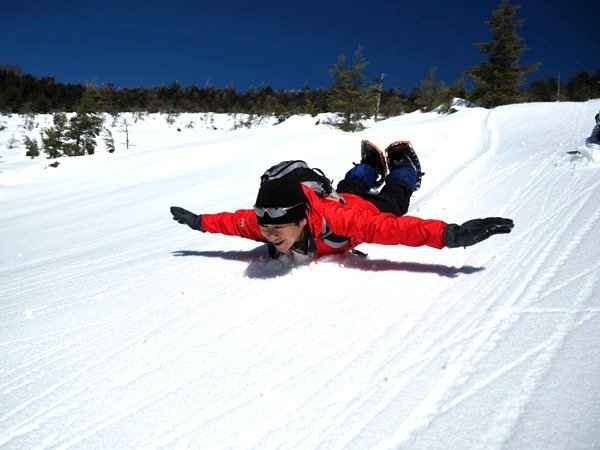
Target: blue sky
281,44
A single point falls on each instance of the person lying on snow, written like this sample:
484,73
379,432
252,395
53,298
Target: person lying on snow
291,217
594,139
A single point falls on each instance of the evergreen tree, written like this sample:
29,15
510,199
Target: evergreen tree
431,93
85,126
109,140
497,81
53,138
349,95
107,98
542,91
458,89
582,86
309,107
33,149
394,102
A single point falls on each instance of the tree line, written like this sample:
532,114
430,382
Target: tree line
25,93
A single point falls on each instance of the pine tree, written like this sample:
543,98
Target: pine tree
458,89
33,149
85,126
349,95
431,93
582,86
109,140
497,81
53,138
394,102
309,107
542,91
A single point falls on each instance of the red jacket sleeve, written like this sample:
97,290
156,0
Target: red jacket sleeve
383,228
240,223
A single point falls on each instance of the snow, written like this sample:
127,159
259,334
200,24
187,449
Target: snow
123,329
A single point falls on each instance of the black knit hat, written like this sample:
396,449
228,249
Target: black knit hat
283,192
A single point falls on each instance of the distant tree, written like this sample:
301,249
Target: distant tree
85,126
53,138
170,97
109,140
107,100
319,99
17,70
498,80
542,91
11,142
431,93
125,129
190,99
10,91
309,108
24,93
458,89
33,149
29,121
379,90
228,100
394,102
582,86
349,95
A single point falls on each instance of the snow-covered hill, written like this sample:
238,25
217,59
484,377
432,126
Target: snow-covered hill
123,329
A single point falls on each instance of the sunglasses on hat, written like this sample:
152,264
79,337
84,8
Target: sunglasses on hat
274,212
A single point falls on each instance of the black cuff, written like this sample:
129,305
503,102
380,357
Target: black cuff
451,235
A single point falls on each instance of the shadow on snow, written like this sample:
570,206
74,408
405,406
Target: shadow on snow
260,265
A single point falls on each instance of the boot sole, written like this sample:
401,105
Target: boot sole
411,152
366,145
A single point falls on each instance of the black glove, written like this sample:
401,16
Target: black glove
188,218
474,231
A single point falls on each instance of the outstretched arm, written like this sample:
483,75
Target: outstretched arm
388,229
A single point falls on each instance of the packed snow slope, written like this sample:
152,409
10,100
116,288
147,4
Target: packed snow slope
122,329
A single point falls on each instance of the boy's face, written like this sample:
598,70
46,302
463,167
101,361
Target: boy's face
284,235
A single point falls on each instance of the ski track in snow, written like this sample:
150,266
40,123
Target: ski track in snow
163,338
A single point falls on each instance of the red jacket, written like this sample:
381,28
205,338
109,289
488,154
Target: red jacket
357,219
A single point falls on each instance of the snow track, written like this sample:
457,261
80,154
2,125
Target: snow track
122,329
